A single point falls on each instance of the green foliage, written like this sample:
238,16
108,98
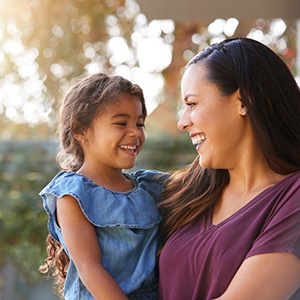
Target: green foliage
26,167
166,153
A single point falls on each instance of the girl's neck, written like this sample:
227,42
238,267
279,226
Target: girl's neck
112,179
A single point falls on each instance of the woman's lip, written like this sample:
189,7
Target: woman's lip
199,146
196,133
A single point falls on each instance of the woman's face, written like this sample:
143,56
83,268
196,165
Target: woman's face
216,123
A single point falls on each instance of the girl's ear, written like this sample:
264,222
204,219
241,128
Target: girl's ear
79,136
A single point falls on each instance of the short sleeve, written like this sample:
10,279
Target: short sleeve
104,207
151,181
281,232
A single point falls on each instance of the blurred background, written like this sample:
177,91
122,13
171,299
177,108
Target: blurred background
45,44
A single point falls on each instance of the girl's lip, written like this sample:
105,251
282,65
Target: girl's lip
130,149
131,152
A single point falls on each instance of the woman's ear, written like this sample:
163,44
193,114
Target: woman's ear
242,108
243,111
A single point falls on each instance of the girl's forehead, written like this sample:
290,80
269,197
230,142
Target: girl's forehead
122,101
122,104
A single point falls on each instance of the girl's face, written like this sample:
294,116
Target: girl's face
116,136
215,123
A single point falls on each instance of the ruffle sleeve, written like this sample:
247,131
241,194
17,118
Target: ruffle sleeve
104,207
151,181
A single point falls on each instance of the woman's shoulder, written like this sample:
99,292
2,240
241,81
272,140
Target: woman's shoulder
288,184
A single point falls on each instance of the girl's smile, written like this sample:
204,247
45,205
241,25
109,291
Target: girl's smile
116,136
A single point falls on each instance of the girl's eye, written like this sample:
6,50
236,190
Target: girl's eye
121,123
140,125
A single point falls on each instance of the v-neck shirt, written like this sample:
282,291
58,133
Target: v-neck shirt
200,259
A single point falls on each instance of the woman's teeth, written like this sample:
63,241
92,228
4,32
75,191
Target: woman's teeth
198,139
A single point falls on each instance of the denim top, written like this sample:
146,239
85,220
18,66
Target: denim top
126,225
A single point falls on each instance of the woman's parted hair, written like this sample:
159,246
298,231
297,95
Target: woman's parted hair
268,91
272,98
83,102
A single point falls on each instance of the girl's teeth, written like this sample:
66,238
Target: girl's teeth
128,147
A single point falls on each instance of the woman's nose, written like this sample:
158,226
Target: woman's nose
184,121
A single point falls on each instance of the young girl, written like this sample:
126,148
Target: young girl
102,240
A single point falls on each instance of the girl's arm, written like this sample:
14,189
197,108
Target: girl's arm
81,241
270,276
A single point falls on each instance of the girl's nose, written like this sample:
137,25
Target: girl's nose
184,121
135,131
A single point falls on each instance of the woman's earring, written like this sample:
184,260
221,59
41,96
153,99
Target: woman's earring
83,141
243,111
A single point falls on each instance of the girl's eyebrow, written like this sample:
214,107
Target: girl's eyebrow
121,115
124,115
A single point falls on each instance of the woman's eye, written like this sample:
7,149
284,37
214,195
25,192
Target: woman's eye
190,104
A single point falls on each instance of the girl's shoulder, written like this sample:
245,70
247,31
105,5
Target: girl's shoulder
65,182
152,181
105,207
151,177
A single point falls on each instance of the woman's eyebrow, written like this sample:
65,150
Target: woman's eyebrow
187,96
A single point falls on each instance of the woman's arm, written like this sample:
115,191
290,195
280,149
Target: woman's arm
270,276
81,241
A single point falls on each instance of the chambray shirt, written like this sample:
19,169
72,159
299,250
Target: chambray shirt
126,224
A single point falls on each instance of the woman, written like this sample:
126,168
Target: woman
231,222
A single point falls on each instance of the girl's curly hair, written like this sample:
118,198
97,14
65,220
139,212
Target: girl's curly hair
82,104
57,263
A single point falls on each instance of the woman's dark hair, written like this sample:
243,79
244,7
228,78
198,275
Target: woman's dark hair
272,97
82,104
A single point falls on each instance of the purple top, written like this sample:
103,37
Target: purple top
200,259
